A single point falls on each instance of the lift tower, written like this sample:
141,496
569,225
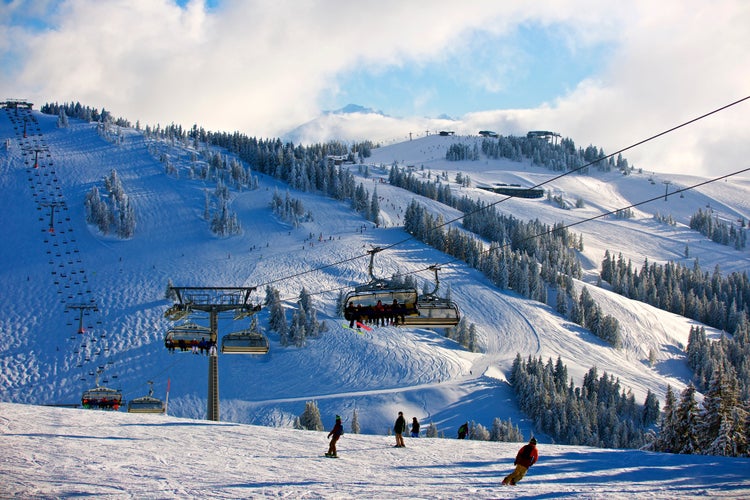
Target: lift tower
213,300
82,308
36,150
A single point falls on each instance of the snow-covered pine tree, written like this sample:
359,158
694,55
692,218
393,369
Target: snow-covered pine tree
298,328
310,418
722,423
650,409
432,430
687,423
355,422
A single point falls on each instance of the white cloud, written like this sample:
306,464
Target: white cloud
261,67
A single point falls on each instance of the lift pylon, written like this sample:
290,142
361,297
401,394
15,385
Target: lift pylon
213,300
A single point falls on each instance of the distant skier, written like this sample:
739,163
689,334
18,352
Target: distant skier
526,457
414,427
334,436
463,431
399,428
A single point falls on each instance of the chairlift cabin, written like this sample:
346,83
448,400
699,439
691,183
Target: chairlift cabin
101,397
147,404
385,292
185,336
434,311
244,342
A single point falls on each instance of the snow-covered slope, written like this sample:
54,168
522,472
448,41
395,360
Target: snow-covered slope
62,453
377,373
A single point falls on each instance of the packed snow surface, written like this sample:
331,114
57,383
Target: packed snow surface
66,453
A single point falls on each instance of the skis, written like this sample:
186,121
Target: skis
327,455
359,328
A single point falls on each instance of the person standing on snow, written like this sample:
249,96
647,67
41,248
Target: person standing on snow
526,457
414,427
399,428
336,432
463,431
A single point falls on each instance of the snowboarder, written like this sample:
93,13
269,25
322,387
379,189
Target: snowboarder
399,428
526,457
463,430
334,436
414,427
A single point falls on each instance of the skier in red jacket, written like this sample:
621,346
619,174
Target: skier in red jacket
526,457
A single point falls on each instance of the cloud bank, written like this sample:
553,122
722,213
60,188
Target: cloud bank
261,67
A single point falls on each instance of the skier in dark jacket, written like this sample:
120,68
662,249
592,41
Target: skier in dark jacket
336,432
526,457
463,430
399,428
414,427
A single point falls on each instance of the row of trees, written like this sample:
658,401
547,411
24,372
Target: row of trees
223,221
598,413
731,354
464,333
715,300
558,157
720,425
304,323
112,213
460,152
709,225
518,270
86,113
289,209
583,310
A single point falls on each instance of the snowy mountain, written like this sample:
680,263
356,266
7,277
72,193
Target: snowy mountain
358,123
53,262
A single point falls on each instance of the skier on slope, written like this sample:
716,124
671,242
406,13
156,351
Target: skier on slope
463,431
334,435
399,428
526,457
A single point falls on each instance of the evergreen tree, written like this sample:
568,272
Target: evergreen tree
686,423
723,419
480,433
310,418
650,409
298,329
355,422
432,431
375,207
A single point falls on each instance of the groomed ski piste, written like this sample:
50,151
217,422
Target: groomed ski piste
377,373
66,453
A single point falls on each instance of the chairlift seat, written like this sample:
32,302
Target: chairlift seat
102,397
244,342
434,312
146,404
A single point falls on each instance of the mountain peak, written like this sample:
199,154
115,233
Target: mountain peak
354,108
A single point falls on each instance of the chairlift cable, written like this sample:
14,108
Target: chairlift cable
593,162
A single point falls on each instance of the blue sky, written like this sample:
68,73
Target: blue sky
522,69
601,72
